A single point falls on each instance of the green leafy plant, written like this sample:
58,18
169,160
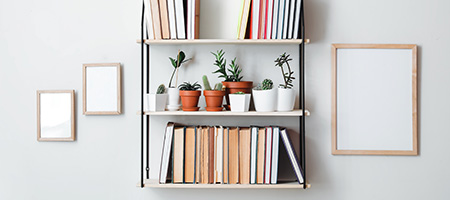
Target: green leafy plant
221,63
235,71
189,86
287,76
176,63
207,86
239,92
161,89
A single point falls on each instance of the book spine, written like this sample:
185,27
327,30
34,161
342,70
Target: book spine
164,19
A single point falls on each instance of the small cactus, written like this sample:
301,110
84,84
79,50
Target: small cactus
161,89
267,84
218,86
206,84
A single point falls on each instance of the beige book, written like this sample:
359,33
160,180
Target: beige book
261,156
244,155
165,32
189,155
233,156
178,154
154,5
225,155
204,157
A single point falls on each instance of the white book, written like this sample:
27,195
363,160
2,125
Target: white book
276,7
281,19
291,153
148,19
179,18
275,149
255,18
172,22
269,19
291,19
165,155
297,19
286,19
189,20
268,163
253,154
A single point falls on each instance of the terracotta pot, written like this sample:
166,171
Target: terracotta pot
189,99
214,100
233,87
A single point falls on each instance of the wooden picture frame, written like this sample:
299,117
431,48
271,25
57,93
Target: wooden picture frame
55,115
102,90
374,99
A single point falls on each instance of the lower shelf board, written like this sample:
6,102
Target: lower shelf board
149,183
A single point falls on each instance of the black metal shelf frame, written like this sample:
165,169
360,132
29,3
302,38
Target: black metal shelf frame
145,83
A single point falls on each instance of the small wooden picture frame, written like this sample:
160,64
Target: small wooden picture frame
56,115
374,99
102,92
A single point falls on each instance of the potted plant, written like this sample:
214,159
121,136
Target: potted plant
172,91
240,101
286,94
213,97
265,97
233,81
189,96
157,102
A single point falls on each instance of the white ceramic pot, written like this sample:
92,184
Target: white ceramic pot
286,99
157,102
239,102
265,100
173,100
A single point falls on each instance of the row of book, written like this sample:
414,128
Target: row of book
172,19
270,19
224,155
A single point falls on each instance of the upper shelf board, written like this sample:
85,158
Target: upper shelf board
294,113
224,41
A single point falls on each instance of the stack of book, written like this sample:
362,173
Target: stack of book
172,19
270,19
224,155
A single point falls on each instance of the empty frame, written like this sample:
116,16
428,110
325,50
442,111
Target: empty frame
101,89
374,99
56,115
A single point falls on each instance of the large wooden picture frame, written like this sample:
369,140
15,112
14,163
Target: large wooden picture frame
55,115
102,89
374,99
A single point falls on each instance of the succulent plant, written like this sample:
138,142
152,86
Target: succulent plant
176,63
240,92
287,76
206,84
221,62
218,86
189,86
161,89
267,84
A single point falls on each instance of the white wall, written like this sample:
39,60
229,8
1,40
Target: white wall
43,45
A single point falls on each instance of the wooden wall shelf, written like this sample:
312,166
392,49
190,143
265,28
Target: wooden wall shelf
224,41
295,113
290,185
